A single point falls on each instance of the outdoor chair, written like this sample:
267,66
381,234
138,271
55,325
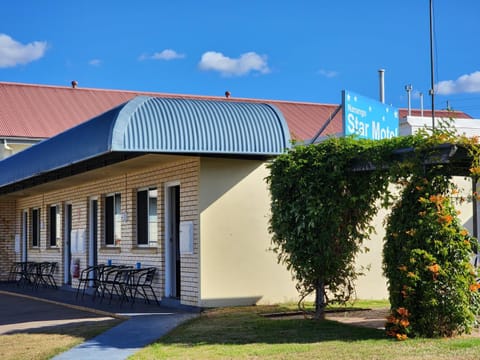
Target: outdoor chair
45,274
110,281
29,273
16,272
120,283
142,283
90,276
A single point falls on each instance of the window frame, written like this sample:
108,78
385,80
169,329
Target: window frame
54,225
35,226
146,229
112,220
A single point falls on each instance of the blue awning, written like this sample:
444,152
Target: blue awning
157,125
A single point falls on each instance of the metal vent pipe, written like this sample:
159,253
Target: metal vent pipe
381,78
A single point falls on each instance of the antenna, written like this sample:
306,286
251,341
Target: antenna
421,104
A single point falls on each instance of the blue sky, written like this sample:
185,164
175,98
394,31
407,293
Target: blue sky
284,50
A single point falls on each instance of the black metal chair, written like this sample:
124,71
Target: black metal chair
17,270
109,283
89,277
143,282
31,274
120,283
45,274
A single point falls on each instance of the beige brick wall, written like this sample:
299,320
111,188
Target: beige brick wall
7,237
185,172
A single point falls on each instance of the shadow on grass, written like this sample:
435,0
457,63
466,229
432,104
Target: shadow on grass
81,328
247,328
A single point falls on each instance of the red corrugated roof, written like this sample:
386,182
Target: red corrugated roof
42,111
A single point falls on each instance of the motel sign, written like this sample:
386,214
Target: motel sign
368,118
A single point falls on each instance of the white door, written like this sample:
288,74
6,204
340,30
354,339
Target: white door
93,232
67,245
172,239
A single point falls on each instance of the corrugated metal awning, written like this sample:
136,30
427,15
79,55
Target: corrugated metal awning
157,125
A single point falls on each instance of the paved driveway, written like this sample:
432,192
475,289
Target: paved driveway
19,313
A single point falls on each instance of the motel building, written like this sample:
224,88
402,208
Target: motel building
175,182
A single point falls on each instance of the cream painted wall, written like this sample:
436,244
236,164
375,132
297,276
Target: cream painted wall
236,265
7,149
373,285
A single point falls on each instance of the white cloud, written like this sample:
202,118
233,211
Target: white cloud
13,53
246,63
95,62
167,54
328,73
469,83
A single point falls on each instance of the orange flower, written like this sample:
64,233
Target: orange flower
435,268
401,337
475,170
411,274
454,191
464,232
402,268
445,219
392,319
404,323
474,287
403,312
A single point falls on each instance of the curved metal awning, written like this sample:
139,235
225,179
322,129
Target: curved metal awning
155,125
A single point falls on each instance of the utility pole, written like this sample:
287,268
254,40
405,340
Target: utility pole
432,79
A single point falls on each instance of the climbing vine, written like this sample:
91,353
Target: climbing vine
323,202
427,252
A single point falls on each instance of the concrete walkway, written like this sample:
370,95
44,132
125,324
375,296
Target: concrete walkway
127,338
144,324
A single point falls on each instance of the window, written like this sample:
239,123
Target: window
35,227
113,219
54,225
147,219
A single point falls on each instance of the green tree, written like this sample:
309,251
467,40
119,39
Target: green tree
321,213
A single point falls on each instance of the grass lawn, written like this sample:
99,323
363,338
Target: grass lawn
243,333
48,342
